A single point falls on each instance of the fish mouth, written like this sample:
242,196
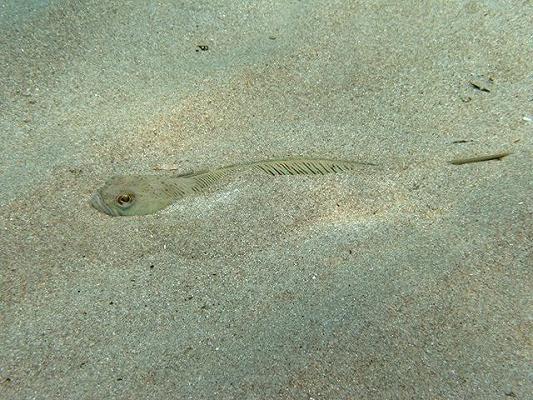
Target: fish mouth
98,203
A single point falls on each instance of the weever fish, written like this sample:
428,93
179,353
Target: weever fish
130,195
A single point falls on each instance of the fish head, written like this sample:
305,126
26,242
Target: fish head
133,195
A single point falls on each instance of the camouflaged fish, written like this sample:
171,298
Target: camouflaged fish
146,194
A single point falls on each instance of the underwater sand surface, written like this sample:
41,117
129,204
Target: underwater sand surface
410,281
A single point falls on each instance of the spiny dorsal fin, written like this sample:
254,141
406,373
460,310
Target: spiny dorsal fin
288,166
203,180
307,166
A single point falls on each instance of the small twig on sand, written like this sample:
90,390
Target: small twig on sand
497,156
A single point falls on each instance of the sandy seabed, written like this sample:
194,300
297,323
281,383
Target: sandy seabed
408,281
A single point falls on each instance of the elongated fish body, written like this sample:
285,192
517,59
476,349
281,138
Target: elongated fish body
146,194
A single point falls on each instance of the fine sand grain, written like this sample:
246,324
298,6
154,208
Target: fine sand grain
412,281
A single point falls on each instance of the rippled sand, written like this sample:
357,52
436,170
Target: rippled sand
411,281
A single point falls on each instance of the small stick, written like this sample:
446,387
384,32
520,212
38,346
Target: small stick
497,156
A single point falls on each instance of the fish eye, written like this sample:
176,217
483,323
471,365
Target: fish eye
125,199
